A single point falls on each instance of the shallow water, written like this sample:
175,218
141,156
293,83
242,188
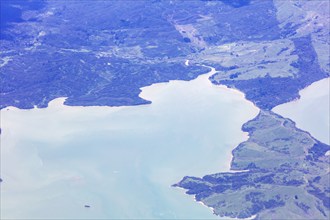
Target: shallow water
121,161
312,111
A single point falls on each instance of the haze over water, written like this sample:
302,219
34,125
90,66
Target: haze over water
120,161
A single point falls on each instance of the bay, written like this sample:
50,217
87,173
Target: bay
312,111
120,162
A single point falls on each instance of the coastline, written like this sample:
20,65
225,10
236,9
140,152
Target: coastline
60,138
188,185
305,114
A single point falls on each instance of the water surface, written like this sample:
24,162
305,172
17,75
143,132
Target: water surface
120,161
312,111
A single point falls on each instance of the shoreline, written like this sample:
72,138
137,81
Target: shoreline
303,91
59,103
303,113
215,111
272,111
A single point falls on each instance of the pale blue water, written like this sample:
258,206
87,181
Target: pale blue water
312,111
120,161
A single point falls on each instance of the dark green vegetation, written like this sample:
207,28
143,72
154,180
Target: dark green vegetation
286,175
268,92
103,52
